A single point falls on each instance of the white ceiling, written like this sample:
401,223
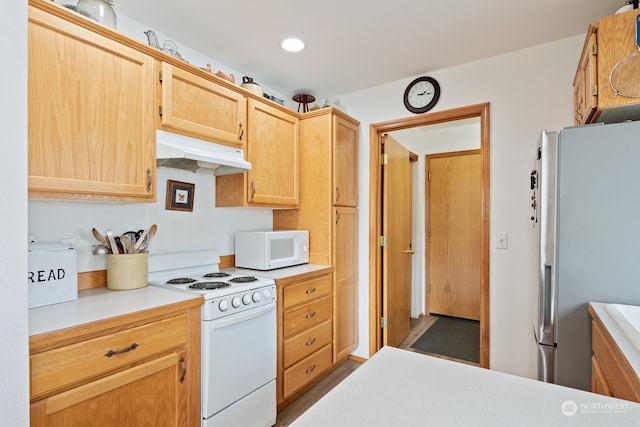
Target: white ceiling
356,44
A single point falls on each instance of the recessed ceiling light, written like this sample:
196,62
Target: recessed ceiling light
292,45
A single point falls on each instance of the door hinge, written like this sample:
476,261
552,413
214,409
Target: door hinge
383,322
160,109
383,240
594,90
429,176
384,159
160,75
594,49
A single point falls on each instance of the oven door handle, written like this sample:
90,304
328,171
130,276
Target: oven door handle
241,317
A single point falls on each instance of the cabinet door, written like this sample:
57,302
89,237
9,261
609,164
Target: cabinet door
616,41
345,261
272,149
201,107
90,103
585,82
345,163
153,393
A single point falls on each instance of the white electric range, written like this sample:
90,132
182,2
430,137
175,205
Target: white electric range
238,336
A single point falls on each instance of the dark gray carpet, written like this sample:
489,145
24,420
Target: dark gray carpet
452,337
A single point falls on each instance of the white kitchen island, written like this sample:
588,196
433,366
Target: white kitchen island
401,388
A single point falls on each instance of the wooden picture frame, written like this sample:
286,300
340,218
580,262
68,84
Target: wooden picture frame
180,196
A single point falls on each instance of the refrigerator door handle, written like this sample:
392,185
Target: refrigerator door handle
547,306
546,364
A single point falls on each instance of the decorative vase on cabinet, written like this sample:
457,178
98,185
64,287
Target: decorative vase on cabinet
98,10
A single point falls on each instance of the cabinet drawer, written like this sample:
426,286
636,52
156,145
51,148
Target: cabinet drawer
306,370
306,316
307,291
305,343
59,368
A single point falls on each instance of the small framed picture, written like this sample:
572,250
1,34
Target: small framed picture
180,196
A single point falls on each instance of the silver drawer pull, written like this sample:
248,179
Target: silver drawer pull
310,315
124,350
311,369
310,342
310,291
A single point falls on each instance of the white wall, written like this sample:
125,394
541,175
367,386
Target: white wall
529,90
14,355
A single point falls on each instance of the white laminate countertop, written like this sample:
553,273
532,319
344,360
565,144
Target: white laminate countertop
397,388
99,304
279,273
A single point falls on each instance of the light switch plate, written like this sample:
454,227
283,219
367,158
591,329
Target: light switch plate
502,240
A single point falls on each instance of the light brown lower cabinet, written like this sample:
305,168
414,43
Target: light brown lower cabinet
305,332
130,371
611,373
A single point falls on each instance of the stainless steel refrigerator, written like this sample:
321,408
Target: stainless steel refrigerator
586,194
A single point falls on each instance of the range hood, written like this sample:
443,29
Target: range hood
182,152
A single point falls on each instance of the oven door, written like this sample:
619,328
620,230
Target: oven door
239,358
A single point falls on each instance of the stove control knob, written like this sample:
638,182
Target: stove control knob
266,293
223,305
256,297
235,302
246,299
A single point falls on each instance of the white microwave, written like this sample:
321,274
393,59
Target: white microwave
268,250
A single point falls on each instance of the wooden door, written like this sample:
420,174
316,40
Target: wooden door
454,230
345,262
273,152
345,162
91,109
202,108
397,251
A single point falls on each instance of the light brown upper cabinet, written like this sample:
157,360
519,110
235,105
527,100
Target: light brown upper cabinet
90,113
345,161
606,87
201,108
272,150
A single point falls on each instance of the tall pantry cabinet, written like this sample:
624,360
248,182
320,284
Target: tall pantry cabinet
328,209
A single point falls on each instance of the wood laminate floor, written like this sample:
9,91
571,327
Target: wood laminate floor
304,402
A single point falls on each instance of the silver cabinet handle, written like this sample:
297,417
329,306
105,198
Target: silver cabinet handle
310,315
337,194
310,342
311,369
337,216
310,291
253,190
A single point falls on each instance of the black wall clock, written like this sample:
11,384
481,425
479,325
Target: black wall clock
422,94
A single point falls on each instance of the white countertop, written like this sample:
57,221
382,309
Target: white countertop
279,273
401,388
614,329
99,304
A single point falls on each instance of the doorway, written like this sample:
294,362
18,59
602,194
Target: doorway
376,280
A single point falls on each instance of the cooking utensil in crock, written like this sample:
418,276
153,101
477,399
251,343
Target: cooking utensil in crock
99,237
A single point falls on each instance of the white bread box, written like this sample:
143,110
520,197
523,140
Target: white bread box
53,273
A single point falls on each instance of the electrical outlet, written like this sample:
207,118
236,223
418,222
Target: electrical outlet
502,240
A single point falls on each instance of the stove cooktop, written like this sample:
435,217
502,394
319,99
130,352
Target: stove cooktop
204,281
